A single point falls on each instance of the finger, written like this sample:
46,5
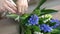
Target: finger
25,8
19,10
12,2
9,9
11,5
22,10
2,8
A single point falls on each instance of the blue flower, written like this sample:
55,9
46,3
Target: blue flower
55,26
45,28
33,20
55,21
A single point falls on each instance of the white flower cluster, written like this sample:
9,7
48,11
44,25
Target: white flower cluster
47,16
38,33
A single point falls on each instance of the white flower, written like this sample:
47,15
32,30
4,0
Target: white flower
38,33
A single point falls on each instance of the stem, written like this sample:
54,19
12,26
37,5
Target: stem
21,29
41,2
32,32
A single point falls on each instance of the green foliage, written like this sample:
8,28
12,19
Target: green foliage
47,33
27,31
41,2
55,31
12,16
51,24
37,9
24,16
36,28
47,11
37,12
58,27
43,11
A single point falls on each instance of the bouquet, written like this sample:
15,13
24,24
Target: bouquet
40,21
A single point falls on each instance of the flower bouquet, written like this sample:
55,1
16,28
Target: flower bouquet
40,21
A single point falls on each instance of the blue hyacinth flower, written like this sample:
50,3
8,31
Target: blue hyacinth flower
55,21
45,28
33,20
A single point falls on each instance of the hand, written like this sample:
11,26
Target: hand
22,6
8,5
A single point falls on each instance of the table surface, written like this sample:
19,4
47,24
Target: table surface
7,26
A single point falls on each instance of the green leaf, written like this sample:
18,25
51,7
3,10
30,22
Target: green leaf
41,2
47,33
58,27
24,16
17,18
36,28
55,31
51,24
12,16
37,9
47,11
27,31
37,12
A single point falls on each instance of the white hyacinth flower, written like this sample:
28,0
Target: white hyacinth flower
38,33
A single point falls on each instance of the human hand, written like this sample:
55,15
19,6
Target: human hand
22,6
7,5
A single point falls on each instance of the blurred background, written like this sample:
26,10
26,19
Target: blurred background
8,26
